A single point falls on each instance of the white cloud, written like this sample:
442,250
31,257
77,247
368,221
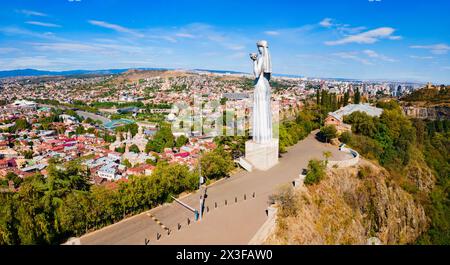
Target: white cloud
185,35
64,47
421,57
272,33
435,49
8,50
94,48
367,37
353,56
27,62
361,56
27,33
346,29
115,27
235,47
208,35
168,38
31,13
395,37
326,22
322,58
238,55
209,54
373,54
43,24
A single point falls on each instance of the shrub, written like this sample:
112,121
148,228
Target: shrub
364,172
316,172
285,198
345,137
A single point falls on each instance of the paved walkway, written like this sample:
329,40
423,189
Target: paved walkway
234,223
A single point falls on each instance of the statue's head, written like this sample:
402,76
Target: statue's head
262,46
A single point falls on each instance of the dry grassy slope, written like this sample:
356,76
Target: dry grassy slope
347,209
133,75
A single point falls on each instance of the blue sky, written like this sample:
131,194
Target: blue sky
365,39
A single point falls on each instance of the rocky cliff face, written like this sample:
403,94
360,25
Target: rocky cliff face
420,174
350,206
422,111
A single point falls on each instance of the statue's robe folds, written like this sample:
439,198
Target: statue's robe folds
262,114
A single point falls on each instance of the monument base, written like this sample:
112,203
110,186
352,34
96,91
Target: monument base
262,156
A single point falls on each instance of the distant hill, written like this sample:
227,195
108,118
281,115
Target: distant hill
34,72
219,71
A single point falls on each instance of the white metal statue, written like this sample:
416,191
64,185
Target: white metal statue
262,115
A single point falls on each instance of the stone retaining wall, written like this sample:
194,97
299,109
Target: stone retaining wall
345,163
267,228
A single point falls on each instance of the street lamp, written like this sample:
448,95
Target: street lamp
200,182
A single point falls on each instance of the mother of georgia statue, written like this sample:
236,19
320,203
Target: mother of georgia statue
262,151
262,115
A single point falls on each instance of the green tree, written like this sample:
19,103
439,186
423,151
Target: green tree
345,137
162,139
357,97
346,98
127,163
181,140
8,220
11,176
21,124
135,149
326,155
28,154
328,132
334,102
293,131
80,130
216,164
390,105
73,212
318,96
316,172
362,123
120,149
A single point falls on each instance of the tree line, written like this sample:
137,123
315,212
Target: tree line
49,210
290,132
396,141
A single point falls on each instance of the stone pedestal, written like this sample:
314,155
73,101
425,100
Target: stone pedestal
262,156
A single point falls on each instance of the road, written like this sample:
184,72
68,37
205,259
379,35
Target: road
93,116
234,223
